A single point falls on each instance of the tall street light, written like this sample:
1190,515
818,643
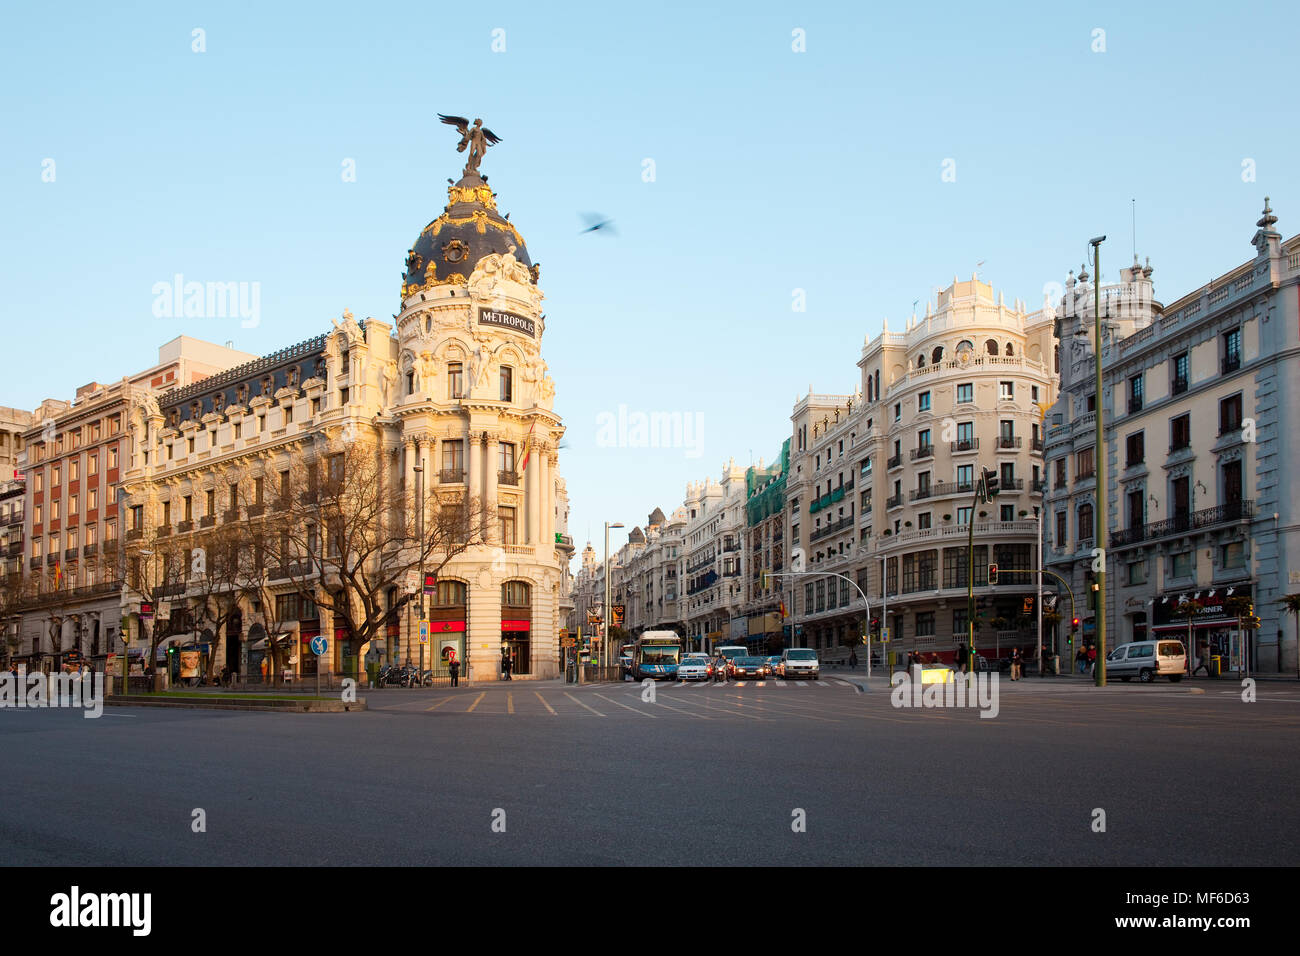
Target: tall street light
419,511
1099,555
605,649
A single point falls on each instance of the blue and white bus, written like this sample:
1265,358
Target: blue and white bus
656,655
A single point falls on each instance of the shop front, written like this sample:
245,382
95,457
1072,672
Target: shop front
1211,634
516,625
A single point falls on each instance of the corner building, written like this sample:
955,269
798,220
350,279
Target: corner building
457,387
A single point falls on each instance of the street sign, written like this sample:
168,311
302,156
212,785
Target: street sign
424,632
319,645
884,635
570,641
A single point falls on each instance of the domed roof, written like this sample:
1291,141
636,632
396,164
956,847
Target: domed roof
448,249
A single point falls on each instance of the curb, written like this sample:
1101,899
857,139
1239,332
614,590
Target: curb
274,706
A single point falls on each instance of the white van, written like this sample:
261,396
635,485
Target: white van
1147,660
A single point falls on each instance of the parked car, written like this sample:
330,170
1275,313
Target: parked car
1147,660
694,667
799,662
747,668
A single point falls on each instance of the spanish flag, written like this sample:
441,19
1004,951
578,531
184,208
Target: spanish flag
58,576
783,614
528,446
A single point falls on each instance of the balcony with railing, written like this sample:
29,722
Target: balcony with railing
15,518
1185,523
939,489
89,549
1009,441
1179,385
842,525
184,526
163,531
207,521
1231,363
894,501
895,462
508,478
923,451
970,444
1134,405
451,476
110,545
1036,444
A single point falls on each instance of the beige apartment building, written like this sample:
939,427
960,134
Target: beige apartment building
882,480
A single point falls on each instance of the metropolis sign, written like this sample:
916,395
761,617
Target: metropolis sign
507,320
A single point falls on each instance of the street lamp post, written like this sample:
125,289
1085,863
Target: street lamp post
419,511
1100,458
606,623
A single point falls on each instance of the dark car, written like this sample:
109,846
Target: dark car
749,668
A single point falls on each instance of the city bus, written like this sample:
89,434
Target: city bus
656,654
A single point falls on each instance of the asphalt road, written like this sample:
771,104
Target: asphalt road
712,775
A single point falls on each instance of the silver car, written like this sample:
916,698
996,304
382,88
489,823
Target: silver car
693,667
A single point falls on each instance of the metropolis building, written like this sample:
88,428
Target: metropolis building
456,396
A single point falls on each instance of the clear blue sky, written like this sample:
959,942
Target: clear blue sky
775,170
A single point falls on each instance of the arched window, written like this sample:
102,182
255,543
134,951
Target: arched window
871,388
937,355
1009,350
991,346
920,360
450,594
1056,359
515,594
877,383
965,345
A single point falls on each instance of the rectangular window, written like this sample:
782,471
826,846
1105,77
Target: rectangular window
923,520
898,411
923,402
288,413
1006,391
1060,473
507,462
1180,432
963,515
74,470
1060,529
507,517
1083,464
1137,572
92,502
455,380
1179,378
507,383
211,502
1231,351
965,477
1182,565
1008,513
965,436
966,392
453,455
1135,394
1136,449
189,508
925,624
1233,556
1230,414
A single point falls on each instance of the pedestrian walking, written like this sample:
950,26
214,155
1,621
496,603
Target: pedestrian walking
454,666
963,657
505,665
853,658
1015,663
264,667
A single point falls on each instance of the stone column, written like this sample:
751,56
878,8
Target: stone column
545,499
491,531
411,448
533,493
475,482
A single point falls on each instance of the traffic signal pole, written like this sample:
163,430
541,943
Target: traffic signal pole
832,574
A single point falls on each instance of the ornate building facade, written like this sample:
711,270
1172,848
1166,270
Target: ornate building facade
456,399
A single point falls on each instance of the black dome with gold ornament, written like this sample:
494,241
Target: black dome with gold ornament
448,249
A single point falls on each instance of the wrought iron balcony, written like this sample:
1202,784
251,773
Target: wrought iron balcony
207,521
184,526
507,477
895,462
924,451
895,501
1179,385
1231,363
1185,523
163,531
451,476
90,549
1009,441
1134,405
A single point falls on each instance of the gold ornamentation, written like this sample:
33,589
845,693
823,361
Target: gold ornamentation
453,250
479,194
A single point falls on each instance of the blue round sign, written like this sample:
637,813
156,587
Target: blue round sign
320,645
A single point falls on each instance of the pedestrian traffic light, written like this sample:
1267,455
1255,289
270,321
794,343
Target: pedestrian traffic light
990,483
993,574
875,625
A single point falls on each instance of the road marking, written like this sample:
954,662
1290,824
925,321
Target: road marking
445,700
789,713
132,716
688,713
625,706
581,704
510,703
545,704
779,683
476,702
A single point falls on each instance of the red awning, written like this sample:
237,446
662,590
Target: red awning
443,627
516,625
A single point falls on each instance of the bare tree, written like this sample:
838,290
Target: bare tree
217,568
347,534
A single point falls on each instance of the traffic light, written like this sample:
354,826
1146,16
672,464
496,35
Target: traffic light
993,574
875,625
990,483
763,577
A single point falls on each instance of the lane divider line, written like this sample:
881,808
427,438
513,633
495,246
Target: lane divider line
476,702
581,704
545,704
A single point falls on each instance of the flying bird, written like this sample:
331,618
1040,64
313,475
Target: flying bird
596,222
